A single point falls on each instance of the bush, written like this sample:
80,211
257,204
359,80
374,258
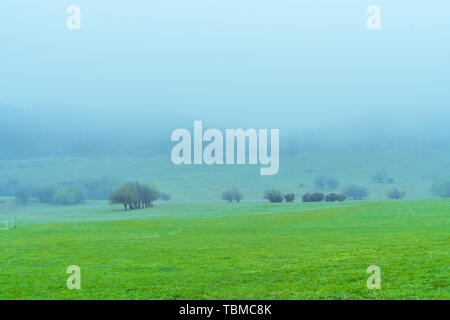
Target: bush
290,197
313,197
45,194
237,195
334,197
273,196
165,196
232,194
395,194
355,192
382,177
71,194
319,182
324,182
441,189
227,195
332,183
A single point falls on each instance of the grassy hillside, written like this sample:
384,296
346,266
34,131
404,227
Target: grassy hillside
413,171
229,251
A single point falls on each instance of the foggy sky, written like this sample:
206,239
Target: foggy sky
299,65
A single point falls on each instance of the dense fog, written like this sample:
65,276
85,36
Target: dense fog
135,72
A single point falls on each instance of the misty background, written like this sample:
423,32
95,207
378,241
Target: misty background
136,71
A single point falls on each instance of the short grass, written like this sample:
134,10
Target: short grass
230,251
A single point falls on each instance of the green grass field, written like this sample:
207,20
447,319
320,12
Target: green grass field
229,251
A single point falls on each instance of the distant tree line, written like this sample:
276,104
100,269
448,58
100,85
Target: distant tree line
68,193
355,192
382,177
63,194
441,189
324,182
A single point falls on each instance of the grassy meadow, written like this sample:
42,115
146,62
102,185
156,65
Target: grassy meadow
197,247
346,104
230,251
413,170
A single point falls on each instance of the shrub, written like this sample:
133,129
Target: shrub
319,182
290,197
45,194
332,183
355,192
334,197
382,177
313,197
324,182
165,196
237,195
227,195
395,194
232,194
70,194
317,197
441,189
273,196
